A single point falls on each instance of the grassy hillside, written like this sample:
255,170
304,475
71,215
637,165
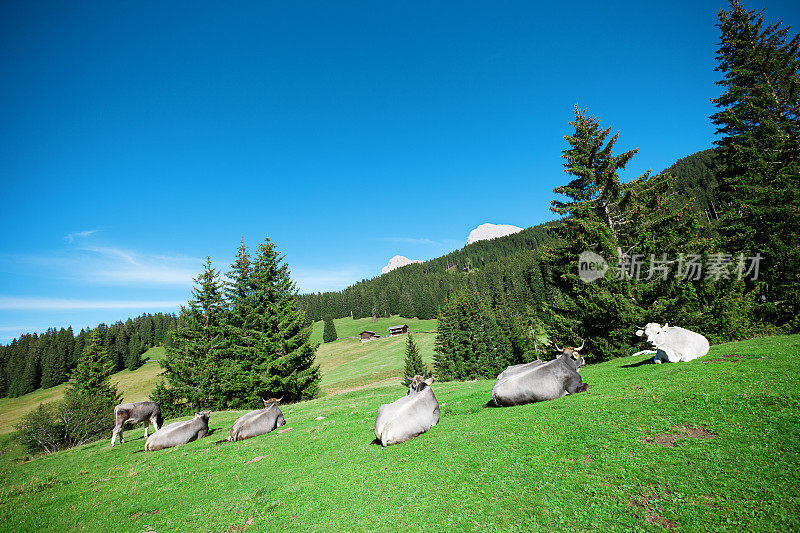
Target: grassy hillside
713,444
347,327
134,386
346,364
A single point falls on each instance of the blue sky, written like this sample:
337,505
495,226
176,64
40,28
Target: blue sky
137,138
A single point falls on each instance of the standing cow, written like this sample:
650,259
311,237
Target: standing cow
413,414
133,413
258,422
674,344
539,381
179,433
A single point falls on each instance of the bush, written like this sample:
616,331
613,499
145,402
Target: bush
57,426
39,430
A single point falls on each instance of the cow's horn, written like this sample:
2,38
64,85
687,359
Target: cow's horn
279,399
583,343
557,348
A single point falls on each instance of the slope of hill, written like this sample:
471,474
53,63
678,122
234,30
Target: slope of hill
697,180
706,445
346,364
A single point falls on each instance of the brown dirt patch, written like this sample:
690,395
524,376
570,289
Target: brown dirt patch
653,518
732,357
708,501
647,501
682,432
239,528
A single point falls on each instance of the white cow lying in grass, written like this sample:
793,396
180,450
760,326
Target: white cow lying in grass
674,344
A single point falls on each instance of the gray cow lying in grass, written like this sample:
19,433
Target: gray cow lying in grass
258,422
674,344
179,433
413,414
539,381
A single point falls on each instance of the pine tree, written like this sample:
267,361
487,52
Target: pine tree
283,359
329,332
91,376
192,366
758,121
413,362
594,220
469,343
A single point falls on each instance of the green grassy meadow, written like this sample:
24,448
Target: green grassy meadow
348,364
713,444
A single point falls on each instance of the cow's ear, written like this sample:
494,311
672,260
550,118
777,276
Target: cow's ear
639,333
429,381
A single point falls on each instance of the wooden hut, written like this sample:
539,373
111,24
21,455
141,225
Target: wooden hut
368,336
398,330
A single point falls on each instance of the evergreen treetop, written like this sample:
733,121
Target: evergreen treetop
91,376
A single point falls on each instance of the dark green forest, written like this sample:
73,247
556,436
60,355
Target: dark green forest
45,360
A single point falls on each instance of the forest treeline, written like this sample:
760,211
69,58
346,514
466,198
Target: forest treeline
507,270
504,265
45,360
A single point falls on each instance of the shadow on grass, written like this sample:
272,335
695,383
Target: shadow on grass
648,361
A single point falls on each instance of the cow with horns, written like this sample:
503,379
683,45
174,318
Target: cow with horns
539,381
413,414
259,422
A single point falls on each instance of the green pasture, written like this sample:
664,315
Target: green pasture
708,445
346,364
348,327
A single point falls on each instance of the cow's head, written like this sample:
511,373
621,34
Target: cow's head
573,353
203,414
271,401
418,383
653,333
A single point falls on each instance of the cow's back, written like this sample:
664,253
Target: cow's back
407,417
687,344
257,423
537,383
177,433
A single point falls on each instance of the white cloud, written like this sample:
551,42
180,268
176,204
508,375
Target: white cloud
113,266
61,304
69,237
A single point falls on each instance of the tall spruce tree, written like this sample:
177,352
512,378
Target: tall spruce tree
193,365
282,361
329,332
758,123
594,218
91,377
413,362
